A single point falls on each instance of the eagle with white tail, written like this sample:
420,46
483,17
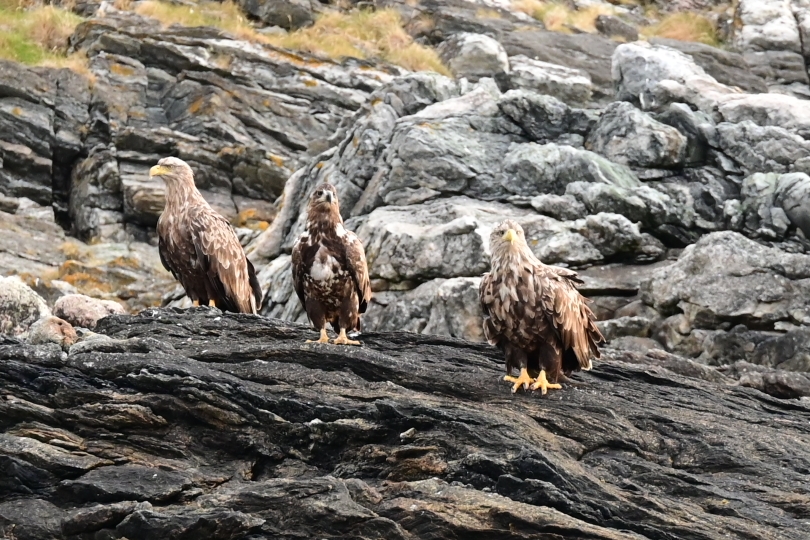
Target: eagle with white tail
535,314
200,248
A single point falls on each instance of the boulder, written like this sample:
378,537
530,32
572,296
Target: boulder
20,306
474,56
763,149
52,330
569,85
767,26
84,311
726,278
545,118
629,136
447,307
610,26
726,67
586,53
288,14
771,204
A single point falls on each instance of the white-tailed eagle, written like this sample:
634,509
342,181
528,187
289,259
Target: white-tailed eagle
535,314
200,248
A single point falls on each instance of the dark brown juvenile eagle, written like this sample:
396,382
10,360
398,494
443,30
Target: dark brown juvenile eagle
535,314
199,247
329,269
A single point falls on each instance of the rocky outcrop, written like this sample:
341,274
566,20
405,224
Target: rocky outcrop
406,437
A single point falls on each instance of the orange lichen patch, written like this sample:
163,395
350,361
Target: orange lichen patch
251,218
355,142
223,61
121,69
87,283
129,263
319,165
310,82
376,101
278,160
231,151
197,105
16,111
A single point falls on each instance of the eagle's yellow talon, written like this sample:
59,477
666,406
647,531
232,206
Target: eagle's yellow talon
323,339
212,303
542,383
521,380
343,340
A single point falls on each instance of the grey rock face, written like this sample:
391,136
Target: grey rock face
257,377
474,56
629,136
763,149
727,278
545,118
569,85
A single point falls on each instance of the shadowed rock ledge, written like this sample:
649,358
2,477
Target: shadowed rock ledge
194,424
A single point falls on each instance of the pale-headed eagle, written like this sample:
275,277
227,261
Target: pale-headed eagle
200,248
330,274
535,314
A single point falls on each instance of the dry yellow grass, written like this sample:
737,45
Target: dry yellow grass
359,34
363,34
684,26
558,17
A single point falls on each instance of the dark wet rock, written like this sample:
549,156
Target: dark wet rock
288,14
406,437
615,27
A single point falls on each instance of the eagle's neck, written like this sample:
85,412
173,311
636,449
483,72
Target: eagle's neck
325,222
510,260
180,195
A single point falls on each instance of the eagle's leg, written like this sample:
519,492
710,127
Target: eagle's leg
517,358
323,339
343,340
521,380
542,383
212,303
196,303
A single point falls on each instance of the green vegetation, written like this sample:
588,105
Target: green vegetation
35,35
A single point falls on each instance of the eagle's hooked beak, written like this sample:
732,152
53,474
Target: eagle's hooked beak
158,170
328,196
510,235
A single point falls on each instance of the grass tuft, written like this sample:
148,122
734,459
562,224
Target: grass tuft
685,26
35,35
558,17
363,34
359,34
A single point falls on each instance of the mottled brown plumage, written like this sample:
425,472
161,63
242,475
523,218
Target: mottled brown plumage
535,314
200,248
330,274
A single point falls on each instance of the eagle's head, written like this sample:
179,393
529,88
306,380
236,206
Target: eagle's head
324,198
507,242
174,171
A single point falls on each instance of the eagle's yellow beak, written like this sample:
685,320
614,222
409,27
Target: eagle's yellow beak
158,170
510,235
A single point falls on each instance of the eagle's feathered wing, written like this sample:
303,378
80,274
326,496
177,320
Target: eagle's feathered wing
540,305
203,252
358,268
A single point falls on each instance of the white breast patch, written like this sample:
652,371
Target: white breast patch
322,267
